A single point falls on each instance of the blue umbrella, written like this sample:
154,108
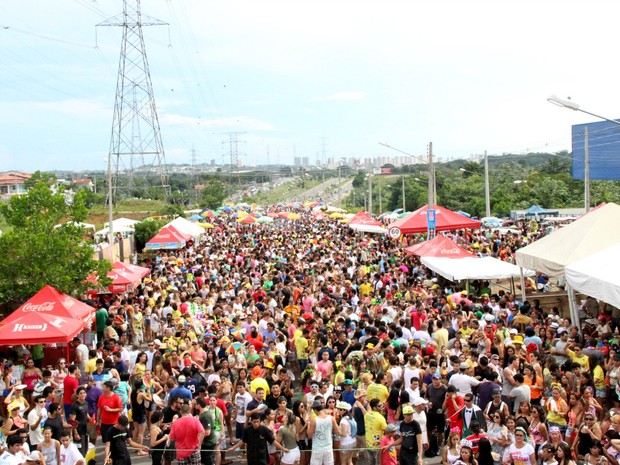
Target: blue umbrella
492,224
195,217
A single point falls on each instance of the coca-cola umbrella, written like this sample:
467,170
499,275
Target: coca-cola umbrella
50,301
39,328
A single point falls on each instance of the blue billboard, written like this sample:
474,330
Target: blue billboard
603,150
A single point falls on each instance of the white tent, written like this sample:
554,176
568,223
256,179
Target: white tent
369,228
83,225
597,275
457,269
121,223
186,227
594,231
117,229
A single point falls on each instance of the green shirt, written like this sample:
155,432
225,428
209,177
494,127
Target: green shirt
206,420
101,316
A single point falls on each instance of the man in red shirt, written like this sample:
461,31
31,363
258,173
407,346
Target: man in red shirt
188,433
109,408
70,384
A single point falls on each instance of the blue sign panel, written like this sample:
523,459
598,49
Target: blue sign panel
603,150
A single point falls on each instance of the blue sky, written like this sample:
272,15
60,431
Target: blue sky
467,75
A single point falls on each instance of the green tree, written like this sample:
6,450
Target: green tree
145,230
35,252
212,195
37,177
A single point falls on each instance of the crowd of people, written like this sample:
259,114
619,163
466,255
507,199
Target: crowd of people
306,343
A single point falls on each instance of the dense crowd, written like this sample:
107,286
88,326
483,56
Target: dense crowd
305,343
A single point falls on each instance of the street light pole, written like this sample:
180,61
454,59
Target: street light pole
487,195
403,180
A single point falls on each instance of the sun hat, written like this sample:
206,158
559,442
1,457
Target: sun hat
343,406
360,393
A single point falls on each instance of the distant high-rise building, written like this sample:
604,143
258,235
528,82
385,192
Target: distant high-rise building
305,161
297,161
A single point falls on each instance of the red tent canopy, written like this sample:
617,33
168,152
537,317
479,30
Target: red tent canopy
446,220
439,246
168,237
365,219
133,269
39,328
122,281
49,301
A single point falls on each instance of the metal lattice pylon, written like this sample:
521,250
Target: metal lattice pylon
136,160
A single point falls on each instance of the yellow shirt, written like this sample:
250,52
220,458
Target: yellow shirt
91,366
259,382
582,360
377,391
375,426
301,347
365,289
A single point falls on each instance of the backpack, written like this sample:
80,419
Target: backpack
353,424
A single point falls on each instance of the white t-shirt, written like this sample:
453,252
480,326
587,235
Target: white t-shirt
70,455
463,383
241,402
36,435
9,459
519,456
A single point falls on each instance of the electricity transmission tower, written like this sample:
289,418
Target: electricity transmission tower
233,150
136,161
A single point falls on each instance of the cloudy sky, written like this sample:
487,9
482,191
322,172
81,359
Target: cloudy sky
292,75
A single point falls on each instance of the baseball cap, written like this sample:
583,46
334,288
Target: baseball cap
419,401
496,392
391,428
343,406
437,375
464,366
181,379
407,410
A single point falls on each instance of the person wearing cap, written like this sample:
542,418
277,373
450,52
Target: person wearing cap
389,455
348,394
496,405
348,428
462,381
181,390
419,414
409,439
436,396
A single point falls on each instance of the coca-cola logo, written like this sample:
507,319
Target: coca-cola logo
68,302
42,307
449,252
164,236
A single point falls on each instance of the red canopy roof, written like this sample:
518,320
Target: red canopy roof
168,237
439,246
363,218
446,220
122,280
134,269
50,301
39,328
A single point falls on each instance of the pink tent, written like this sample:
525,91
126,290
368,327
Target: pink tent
446,220
439,246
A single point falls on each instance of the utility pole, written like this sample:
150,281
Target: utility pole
404,202
431,178
194,177
380,187
370,191
487,195
339,186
